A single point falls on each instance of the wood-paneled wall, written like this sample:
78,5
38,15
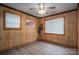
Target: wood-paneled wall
14,38
70,37
78,32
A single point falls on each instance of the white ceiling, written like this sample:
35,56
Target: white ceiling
60,7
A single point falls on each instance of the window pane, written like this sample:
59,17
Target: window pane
55,26
12,20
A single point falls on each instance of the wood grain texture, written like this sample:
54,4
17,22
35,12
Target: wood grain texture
40,48
78,32
14,38
70,37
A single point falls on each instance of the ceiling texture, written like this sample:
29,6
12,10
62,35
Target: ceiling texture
51,8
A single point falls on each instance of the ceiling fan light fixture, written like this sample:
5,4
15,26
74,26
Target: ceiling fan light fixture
42,12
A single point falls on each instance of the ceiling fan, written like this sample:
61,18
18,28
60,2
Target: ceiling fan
42,9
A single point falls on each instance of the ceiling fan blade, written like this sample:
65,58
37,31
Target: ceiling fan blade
47,12
37,13
51,8
32,9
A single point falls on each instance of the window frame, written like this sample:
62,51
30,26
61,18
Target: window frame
55,18
4,20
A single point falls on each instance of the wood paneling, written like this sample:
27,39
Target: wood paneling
70,37
78,32
14,38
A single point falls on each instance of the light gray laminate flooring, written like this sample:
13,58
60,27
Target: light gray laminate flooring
40,48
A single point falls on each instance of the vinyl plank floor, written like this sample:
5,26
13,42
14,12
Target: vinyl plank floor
40,48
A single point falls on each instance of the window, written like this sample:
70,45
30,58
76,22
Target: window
55,26
11,20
